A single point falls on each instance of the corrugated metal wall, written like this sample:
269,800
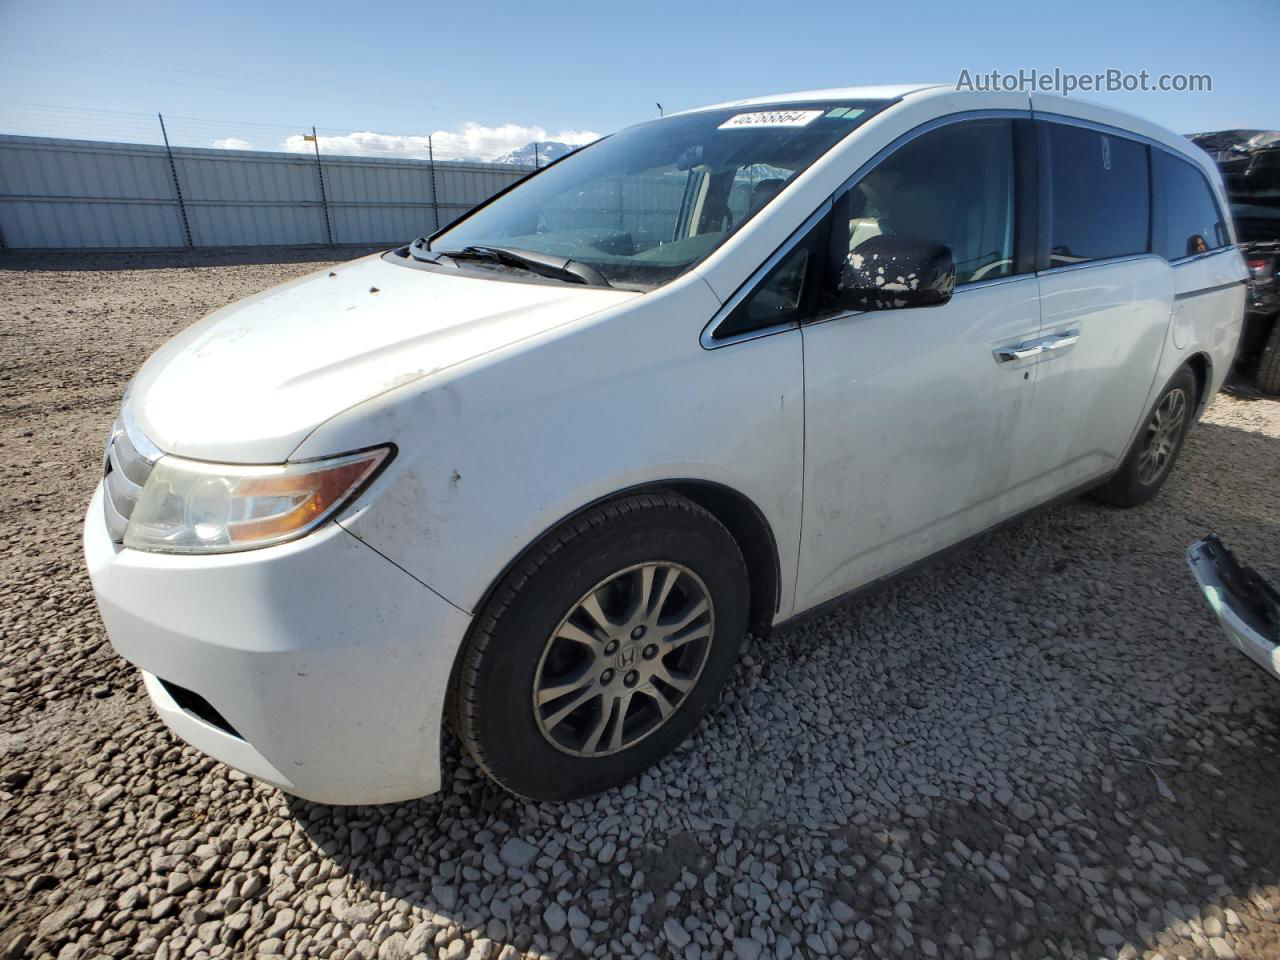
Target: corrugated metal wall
83,193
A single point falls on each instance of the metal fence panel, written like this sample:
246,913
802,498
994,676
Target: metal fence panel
78,224
246,177
350,180
44,167
255,224
374,223
76,193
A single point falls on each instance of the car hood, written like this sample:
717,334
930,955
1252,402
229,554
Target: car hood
250,381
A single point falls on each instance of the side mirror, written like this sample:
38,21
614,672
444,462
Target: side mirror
890,273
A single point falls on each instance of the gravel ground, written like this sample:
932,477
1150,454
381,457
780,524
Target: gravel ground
1043,748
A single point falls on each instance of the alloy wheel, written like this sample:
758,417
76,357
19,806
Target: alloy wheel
1164,430
623,659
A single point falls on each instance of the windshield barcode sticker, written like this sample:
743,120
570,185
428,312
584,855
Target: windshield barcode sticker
772,118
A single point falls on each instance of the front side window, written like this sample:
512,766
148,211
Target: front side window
952,186
1100,201
644,205
1188,220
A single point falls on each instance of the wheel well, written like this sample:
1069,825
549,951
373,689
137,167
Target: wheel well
1199,365
751,530
740,516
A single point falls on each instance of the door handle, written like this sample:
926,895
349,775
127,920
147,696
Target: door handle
1018,351
1033,348
1060,341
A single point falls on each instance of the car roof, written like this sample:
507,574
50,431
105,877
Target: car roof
881,92
1042,103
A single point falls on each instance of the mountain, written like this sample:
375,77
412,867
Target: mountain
546,151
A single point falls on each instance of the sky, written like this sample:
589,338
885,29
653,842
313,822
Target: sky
482,79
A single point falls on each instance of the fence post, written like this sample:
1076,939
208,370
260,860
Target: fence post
435,196
177,187
324,200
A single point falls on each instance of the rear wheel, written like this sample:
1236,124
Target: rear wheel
1267,378
1156,447
603,649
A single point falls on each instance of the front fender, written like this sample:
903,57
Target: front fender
508,447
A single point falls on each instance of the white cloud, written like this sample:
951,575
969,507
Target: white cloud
232,143
470,141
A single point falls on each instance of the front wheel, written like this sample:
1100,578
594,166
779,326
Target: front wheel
603,649
1156,447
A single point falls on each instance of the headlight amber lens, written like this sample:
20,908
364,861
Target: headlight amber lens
192,507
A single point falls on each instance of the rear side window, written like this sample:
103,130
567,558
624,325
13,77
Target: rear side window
1100,197
1188,220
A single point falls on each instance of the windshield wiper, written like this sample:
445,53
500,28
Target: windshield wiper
543,264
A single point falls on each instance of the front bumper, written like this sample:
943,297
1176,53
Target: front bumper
1246,605
328,663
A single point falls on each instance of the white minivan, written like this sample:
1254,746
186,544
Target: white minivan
537,475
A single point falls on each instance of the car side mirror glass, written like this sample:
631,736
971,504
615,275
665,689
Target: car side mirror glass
891,273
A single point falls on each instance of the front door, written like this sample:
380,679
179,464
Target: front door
916,420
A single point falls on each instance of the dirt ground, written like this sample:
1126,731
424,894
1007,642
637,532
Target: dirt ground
1044,747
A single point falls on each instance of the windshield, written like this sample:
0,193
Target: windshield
644,205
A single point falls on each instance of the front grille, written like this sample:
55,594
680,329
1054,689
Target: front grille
126,466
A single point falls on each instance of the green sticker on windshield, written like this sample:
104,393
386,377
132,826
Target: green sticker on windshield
846,113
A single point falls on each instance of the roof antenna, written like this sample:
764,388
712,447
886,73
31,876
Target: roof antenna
660,109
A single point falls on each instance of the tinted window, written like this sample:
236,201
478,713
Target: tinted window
953,185
1100,202
786,293
1187,217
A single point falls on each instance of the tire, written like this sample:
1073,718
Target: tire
1146,468
535,651
1267,379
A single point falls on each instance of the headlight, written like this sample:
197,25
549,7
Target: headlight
192,507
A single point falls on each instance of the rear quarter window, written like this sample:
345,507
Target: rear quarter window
1188,220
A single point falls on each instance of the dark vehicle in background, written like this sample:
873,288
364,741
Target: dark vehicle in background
1250,165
